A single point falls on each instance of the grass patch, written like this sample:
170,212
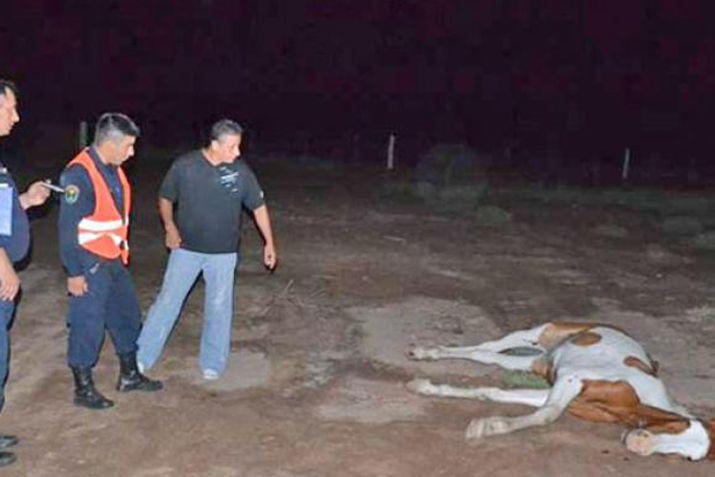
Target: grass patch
403,191
668,203
521,379
308,161
704,241
453,197
449,165
491,215
611,231
703,313
681,225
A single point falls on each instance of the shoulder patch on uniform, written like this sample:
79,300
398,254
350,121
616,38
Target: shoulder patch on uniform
71,194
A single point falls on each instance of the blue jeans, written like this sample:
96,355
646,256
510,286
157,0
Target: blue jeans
181,272
6,309
110,303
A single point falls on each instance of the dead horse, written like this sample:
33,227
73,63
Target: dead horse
597,372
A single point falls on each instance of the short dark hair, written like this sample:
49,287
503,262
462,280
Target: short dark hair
114,126
225,127
7,84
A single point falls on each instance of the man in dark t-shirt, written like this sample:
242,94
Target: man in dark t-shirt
201,203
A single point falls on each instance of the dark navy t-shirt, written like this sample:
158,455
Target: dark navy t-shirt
209,201
18,242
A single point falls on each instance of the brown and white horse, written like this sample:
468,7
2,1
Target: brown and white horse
597,372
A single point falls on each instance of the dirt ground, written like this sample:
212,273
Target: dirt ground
316,382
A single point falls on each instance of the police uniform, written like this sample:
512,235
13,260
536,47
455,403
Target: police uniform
93,231
15,240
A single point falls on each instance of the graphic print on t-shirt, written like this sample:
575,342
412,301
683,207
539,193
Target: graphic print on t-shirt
228,178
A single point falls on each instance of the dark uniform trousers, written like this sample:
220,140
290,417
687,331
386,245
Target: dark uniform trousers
6,309
110,302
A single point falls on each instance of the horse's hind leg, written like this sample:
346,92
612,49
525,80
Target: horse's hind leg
521,363
481,352
517,339
529,397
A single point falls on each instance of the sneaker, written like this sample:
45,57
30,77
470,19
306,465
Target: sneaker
210,375
7,458
7,440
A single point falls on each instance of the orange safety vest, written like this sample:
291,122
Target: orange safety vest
106,231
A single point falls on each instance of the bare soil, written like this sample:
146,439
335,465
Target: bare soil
316,383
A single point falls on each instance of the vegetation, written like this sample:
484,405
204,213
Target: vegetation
448,176
704,241
521,379
611,230
681,225
492,215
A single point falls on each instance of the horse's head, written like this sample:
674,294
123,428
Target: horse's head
688,437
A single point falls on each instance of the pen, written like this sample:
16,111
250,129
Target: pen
53,187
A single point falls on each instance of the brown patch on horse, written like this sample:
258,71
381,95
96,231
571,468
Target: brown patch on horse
669,427
587,338
634,362
608,401
556,333
544,367
710,427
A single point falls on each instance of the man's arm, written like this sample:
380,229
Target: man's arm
263,221
253,200
9,281
166,211
73,207
36,194
168,194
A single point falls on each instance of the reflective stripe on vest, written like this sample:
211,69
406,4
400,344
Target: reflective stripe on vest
105,232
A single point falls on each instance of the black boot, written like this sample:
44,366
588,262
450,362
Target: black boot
85,394
7,458
130,379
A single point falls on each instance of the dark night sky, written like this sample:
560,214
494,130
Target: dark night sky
601,73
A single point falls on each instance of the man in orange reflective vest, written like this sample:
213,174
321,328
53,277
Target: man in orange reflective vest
94,248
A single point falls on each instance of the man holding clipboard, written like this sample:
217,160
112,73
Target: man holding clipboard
14,243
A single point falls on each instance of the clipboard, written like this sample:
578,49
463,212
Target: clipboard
6,206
